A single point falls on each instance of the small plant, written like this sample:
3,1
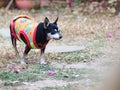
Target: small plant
40,72
78,56
78,2
16,79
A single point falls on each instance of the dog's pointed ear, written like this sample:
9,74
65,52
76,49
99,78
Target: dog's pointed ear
46,22
56,21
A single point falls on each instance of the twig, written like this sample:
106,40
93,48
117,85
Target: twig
9,4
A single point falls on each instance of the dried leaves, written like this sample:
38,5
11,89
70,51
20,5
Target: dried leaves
15,68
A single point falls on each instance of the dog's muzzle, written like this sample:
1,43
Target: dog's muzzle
60,36
55,36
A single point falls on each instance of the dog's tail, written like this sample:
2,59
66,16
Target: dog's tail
12,36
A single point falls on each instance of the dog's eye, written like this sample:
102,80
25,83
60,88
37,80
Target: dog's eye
56,30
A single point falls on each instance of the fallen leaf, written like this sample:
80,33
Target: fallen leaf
16,71
51,73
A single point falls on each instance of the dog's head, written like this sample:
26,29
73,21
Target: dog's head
53,31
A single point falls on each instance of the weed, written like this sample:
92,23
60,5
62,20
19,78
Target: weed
10,77
40,72
70,57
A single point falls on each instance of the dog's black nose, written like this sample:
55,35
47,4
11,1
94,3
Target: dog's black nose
60,37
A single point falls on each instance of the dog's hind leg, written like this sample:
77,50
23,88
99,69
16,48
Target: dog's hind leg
27,49
15,48
13,39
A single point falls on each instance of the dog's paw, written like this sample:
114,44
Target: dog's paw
23,62
43,63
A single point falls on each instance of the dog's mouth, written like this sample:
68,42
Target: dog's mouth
56,36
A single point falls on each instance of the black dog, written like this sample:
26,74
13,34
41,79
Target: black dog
34,35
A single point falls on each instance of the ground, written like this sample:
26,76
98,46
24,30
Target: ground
81,60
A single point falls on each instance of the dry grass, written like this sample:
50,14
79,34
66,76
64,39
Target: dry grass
75,27
89,30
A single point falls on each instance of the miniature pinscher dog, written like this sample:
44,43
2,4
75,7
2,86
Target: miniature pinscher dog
33,35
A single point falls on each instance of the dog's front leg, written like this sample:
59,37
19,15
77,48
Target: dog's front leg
27,49
42,59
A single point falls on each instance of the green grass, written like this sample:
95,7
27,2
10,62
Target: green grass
78,56
61,74
40,72
11,78
91,52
